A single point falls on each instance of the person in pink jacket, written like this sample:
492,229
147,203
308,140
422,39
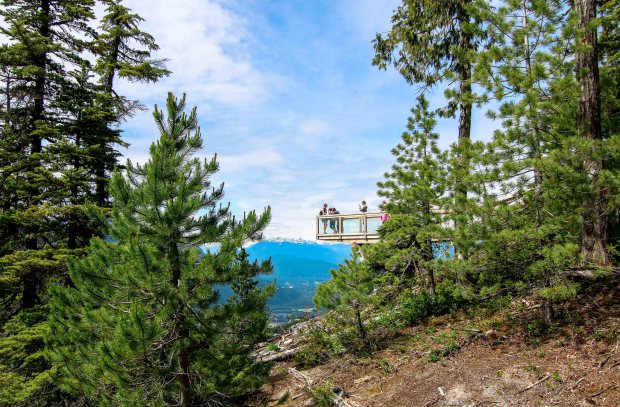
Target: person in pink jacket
384,215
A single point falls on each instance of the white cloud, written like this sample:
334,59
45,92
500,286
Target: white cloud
207,46
293,108
266,158
368,17
311,133
313,127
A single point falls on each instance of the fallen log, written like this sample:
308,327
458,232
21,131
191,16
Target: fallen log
275,357
589,274
339,401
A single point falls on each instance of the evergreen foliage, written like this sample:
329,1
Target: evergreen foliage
527,190
143,324
58,140
349,292
435,43
416,189
527,206
536,186
124,51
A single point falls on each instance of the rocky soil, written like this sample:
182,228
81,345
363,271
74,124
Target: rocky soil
495,359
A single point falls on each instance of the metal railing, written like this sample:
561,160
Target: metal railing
359,227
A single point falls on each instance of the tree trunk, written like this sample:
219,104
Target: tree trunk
30,295
360,324
186,386
30,290
184,365
431,281
101,184
535,147
463,67
548,312
74,223
594,219
40,61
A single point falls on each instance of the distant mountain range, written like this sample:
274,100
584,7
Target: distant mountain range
300,259
298,267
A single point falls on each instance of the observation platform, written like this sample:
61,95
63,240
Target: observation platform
357,228
361,228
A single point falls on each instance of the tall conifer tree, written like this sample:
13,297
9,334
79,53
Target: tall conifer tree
594,214
143,325
416,192
433,43
57,131
124,51
44,41
527,70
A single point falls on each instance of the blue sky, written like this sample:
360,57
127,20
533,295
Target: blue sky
287,98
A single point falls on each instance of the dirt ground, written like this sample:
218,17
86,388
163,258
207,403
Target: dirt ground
493,360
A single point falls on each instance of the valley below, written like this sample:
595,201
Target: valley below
299,267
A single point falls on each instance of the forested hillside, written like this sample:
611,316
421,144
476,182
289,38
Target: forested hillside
59,141
106,297
102,297
531,207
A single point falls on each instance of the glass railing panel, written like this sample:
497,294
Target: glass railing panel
348,224
333,225
444,250
373,225
322,226
351,226
327,226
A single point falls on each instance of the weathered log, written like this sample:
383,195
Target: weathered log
275,357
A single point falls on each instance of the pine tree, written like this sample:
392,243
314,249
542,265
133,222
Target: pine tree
533,183
144,324
416,192
36,61
594,215
433,43
44,40
349,292
123,51
58,131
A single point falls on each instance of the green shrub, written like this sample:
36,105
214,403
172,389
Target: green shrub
322,395
414,308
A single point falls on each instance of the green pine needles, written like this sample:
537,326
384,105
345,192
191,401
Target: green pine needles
144,324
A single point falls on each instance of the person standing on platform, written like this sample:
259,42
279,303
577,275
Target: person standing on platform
363,207
335,224
384,215
324,212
